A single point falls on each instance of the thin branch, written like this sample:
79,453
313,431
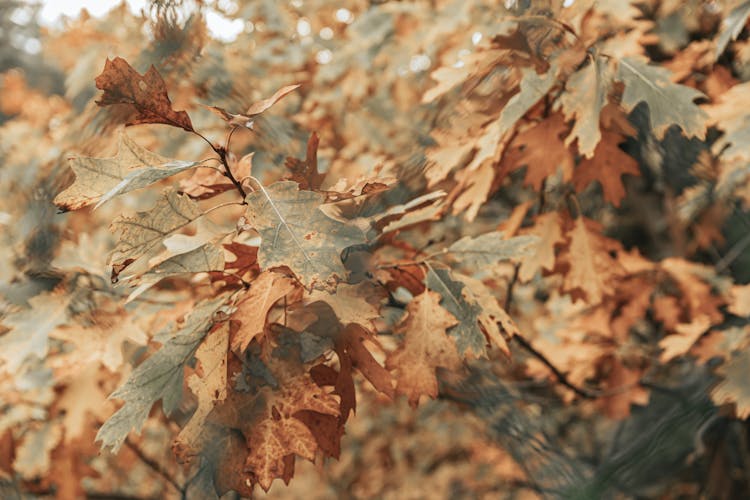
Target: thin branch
228,173
560,376
229,138
511,284
213,146
155,466
222,152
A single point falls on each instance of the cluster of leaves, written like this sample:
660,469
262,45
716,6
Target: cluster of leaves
556,201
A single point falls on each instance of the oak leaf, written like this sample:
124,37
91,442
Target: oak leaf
305,172
426,346
490,248
297,234
358,303
492,313
160,377
82,396
33,455
668,103
467,334
264,292
99,179
30,328
548,228
246,119
267,417
100,341
475,187
587,92
732,26
697,295
608,164
734,387
682,340
532,88
623,383
143,235
351,349
146,93
204,259
146,176
542,150
209,386
591,266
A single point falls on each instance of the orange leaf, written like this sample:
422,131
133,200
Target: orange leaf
591,266
608,164
268,418
305,172
542,151
426,347
686,335
267,288
547,227
351,343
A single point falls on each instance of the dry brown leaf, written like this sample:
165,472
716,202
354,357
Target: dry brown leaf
542,150
426,347
608,164
549,229
591,268
264,292
146,93
210,388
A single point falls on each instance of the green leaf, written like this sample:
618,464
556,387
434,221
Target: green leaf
131,168
143,177
732,26
143,234
297,234
467,334
668,103
533,88
160,377
585,95
207,257
489,248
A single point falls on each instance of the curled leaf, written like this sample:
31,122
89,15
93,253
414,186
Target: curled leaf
146,93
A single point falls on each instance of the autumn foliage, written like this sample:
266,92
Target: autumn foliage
489,250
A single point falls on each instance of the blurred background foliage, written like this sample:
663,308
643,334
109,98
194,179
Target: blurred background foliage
364,66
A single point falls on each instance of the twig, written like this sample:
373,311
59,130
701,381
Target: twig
228,172
584,393
560,376
222,152
511,284
155,466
